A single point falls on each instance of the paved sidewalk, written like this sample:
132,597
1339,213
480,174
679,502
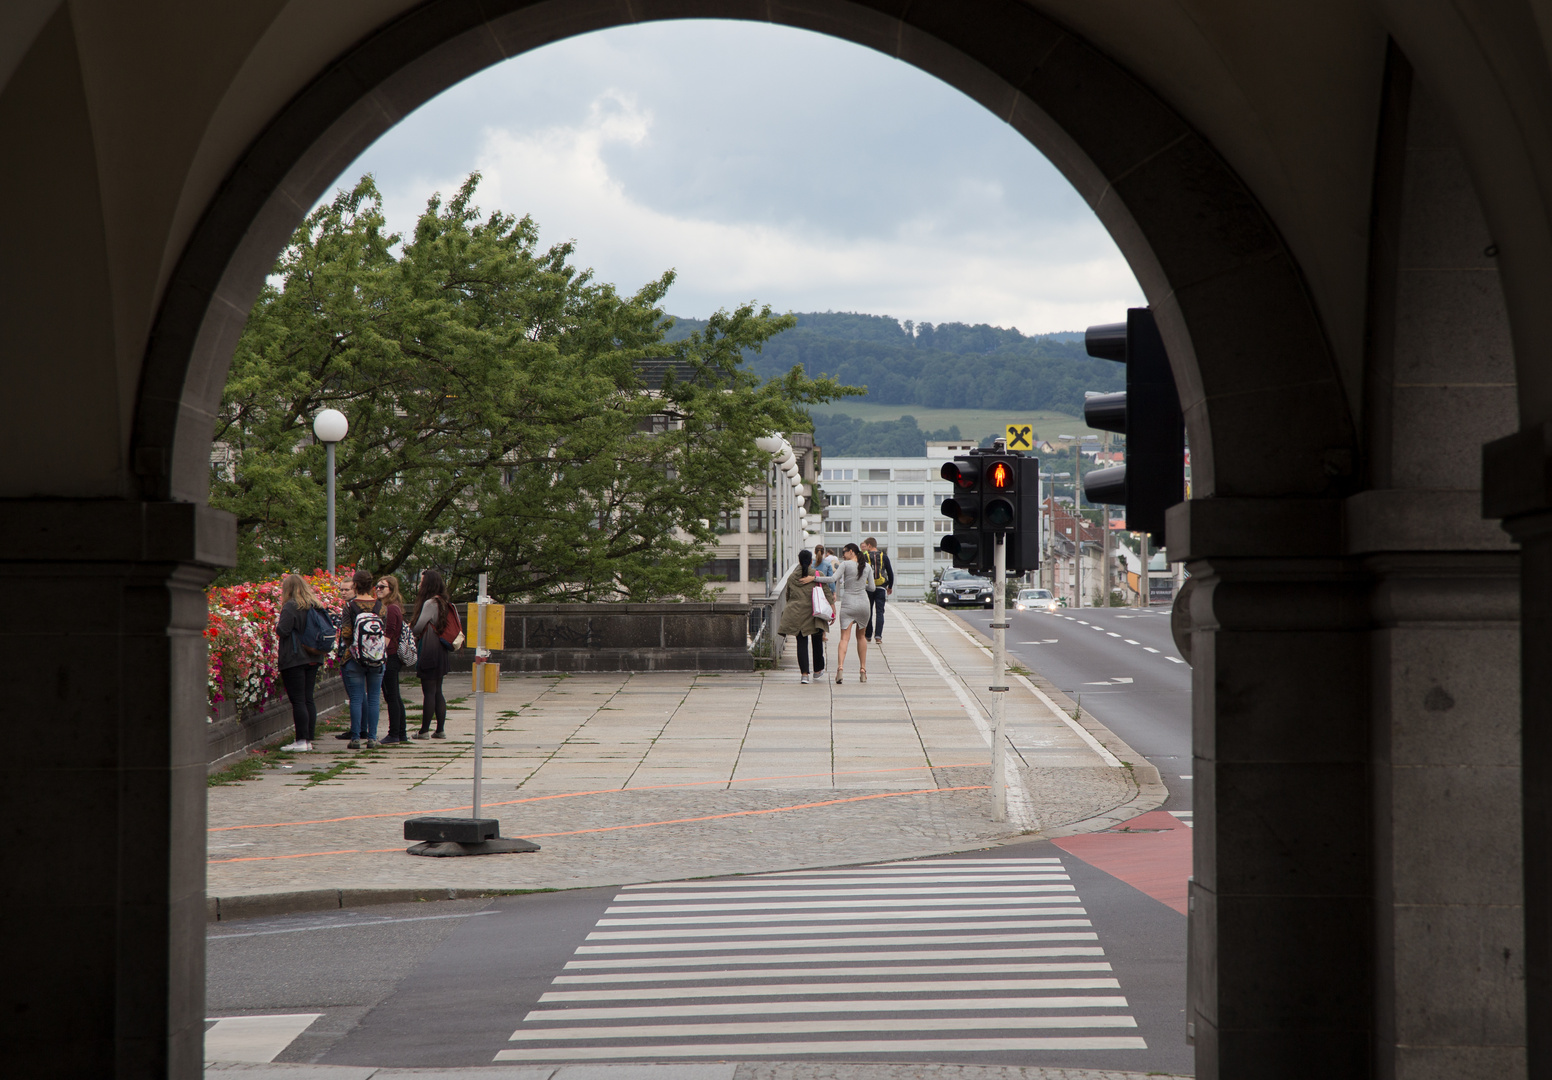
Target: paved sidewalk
641,777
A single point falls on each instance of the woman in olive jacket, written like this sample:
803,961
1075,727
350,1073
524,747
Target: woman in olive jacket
798,617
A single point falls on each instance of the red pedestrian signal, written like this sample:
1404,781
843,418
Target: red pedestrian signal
1000,477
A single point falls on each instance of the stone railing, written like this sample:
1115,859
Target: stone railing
229,736
621,637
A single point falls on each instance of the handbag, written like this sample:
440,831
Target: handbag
822,609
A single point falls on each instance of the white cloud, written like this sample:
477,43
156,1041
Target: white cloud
870,187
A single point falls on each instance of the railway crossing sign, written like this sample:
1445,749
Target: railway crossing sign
1020,437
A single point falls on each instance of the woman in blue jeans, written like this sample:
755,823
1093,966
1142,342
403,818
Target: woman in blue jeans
363,683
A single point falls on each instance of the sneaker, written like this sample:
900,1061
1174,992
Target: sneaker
804,679
439,734
343,735
878,639
390,741
308,745
421,735
372,744
294,747
354,744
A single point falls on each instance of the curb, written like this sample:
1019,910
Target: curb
253,905
1151,791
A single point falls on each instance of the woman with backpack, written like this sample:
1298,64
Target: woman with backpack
298,665
399,642
365,640
438,633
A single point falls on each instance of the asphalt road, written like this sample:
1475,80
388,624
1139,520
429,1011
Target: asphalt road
1124,664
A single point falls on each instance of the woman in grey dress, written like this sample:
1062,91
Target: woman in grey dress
852,605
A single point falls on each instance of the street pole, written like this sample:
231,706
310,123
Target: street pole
329,451
999,674
770,480
480,654
1104,526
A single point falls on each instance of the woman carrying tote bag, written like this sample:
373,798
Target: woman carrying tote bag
801,617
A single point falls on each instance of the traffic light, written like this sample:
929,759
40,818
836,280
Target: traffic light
1148,414
993,493
964,509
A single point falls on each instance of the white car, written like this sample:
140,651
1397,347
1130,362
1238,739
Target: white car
1035,600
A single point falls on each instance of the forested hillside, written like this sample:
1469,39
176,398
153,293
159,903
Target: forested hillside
950,365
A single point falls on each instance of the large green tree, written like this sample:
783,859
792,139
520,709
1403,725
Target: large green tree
500,419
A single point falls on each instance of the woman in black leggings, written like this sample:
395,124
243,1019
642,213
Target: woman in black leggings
436,622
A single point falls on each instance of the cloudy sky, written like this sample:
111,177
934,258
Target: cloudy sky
770,164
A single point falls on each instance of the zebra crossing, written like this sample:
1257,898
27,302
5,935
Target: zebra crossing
949,957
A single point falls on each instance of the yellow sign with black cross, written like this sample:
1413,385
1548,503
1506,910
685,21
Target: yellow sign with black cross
1020,437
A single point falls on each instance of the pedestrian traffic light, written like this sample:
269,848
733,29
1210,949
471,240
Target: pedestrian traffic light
994,494
1148,414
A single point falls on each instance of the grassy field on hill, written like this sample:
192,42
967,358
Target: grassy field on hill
973,424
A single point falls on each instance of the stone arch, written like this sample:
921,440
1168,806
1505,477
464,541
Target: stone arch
1264,403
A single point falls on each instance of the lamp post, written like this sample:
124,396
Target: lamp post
330,426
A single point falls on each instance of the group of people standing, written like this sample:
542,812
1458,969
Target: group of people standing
376,643
855,586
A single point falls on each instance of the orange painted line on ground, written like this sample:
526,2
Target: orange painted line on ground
600,791
643,825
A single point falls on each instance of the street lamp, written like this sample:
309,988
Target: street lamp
330,426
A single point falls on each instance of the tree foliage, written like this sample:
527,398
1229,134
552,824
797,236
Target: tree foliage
500,419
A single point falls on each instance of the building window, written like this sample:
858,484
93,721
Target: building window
940,555
905,553
756,569
910,500
834,526
911,526
937,501
943,525
876,525
837,500
727,521
720,570
875,500
838,474
883,474
756,519
911,475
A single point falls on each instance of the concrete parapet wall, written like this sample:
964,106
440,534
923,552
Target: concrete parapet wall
621,637
230,737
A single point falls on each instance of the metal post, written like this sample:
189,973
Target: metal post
480,653
770,555
329,450
999,673
1104,527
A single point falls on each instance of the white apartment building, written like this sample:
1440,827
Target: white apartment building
895,500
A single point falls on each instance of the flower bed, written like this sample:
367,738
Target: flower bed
241,636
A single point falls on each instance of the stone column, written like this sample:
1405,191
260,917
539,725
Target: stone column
1281,976
104,784
1517,488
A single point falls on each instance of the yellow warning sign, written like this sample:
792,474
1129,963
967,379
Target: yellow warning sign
1020,437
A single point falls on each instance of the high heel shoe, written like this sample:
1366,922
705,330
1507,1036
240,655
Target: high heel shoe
864,675
838,678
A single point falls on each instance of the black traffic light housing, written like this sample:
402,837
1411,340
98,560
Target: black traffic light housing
1148,414
994,492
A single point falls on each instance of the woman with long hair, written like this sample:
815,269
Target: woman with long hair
798,618
853,605
387,590
436,629
298,668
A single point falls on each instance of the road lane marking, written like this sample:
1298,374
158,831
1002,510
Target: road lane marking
1148,648
957,968
834,957
1174,659
1129,641
847,928
799,1027
763,1008
933,986
844,1046
1051,883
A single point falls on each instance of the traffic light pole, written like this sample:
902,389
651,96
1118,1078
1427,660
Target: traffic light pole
480,653
999,676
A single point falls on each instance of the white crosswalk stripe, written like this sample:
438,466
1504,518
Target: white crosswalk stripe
819,963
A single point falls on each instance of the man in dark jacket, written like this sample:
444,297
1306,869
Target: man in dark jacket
884,584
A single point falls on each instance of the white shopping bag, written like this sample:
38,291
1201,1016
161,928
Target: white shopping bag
821,605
